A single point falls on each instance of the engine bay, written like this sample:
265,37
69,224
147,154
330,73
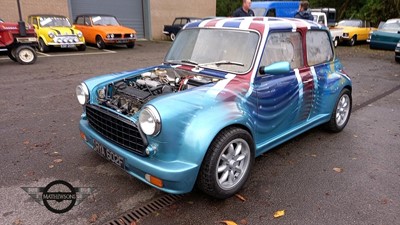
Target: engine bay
129,95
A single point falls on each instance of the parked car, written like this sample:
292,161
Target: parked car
387,36
56,31
104,30
355,30
275,8
336,33
397,52
203,115
19,43
177,25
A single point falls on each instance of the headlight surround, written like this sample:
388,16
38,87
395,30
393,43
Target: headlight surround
82,93
150,121
79,34
132,35
51,34
398,45
109,36
345,34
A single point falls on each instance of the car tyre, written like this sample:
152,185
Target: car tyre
172,36
81,47
227,163
25,55
42,46
130,45
11,54
100,43
335,42
353,40
341,113
397,60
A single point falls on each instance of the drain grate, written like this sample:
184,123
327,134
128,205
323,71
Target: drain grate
136,214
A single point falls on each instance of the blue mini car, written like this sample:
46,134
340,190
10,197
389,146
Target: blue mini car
229,90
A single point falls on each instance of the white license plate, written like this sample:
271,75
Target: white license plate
67,46
108,154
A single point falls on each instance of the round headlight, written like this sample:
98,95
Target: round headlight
132,35
82,93
51,34
79,34
76,40
150,121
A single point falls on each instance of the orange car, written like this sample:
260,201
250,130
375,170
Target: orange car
104,30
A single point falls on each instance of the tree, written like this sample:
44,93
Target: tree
226,7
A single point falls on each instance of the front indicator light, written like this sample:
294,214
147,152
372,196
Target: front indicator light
83,136
154,180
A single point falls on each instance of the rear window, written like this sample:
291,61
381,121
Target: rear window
319,47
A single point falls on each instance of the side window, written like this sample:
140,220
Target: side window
34,21
285,46
80,20
177,22
87,21
271,13
319,48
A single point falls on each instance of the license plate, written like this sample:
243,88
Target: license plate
67,46
122,42
108,154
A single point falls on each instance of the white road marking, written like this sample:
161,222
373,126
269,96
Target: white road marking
41,53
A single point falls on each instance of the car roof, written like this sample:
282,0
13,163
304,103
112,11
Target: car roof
46,15
260,24
93,14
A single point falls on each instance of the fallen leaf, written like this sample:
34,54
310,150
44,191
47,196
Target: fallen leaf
51,166
240,197
279,213
190,202
313,155
54,154
93,218
228,222
26,142
133,223
338,170
17,222
57,160
243,221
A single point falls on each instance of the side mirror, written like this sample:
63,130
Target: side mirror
35,26
277,68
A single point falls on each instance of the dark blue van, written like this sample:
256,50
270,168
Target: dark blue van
275,8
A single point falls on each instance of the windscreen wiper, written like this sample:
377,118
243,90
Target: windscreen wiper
222,62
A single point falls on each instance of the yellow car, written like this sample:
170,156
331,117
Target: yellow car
56,31
355,30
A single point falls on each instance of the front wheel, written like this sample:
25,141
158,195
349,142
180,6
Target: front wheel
341,113
130,45
172,36
335,42
227,163
81,47
42,46
11,54
100,43
25,55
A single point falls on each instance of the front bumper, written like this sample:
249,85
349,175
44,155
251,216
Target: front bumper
178,177
65,44
119,40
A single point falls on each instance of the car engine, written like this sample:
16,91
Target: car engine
127,96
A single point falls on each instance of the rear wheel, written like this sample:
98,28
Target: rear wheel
341,112
227,163
81,47
335,42
42,46
100,43
25,55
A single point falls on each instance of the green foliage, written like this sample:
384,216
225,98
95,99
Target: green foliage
226,7
373,10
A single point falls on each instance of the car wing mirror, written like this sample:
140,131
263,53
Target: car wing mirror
277,68
34,26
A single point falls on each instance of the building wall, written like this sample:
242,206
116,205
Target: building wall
9,8
164,12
